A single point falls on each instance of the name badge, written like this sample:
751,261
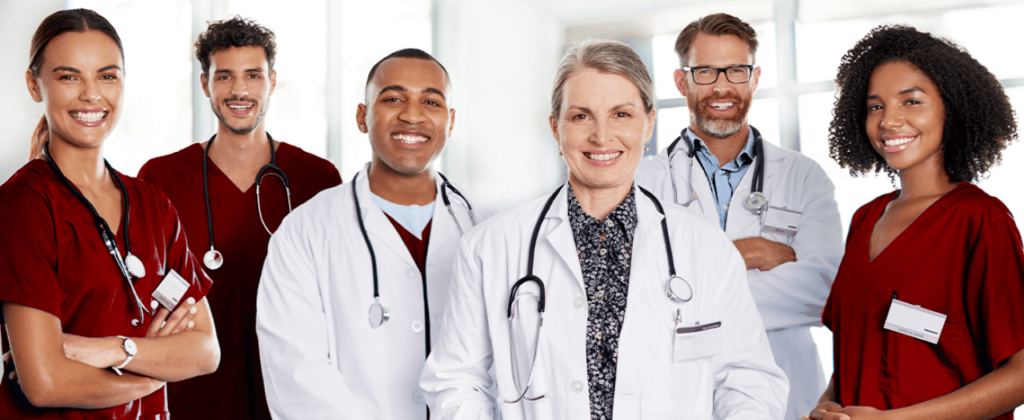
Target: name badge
914,321
697,342
781,221
170,290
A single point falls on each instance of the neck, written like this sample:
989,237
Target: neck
82,166
599,202
725,149
399,188
240,152
928,179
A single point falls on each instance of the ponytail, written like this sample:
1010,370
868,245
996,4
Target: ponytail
39,137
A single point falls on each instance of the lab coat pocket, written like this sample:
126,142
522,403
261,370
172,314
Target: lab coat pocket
683,387
920,371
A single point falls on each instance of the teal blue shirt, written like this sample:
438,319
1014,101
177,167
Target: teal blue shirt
726,178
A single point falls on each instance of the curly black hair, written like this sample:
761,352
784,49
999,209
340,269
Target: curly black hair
234,32
979,119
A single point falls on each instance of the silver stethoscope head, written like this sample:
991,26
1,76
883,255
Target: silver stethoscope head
755,202
678,290
213,259
378,314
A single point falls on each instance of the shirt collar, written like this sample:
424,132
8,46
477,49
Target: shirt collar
746,155
624,216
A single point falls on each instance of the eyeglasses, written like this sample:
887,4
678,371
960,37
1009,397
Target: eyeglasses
739,73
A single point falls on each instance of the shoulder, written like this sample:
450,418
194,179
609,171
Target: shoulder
334,204
652,169
295,158
31,185
974,203
879,202
168,165
507,223
481,210
792,162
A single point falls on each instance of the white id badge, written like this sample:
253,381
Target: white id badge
914,321
697,342
781,221
170,290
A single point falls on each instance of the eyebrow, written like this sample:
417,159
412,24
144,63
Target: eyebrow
616,107
74,70
398,88
902,92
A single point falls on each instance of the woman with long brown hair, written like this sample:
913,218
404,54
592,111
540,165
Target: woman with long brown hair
88,255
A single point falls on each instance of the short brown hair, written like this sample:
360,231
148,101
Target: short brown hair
716,24
235,32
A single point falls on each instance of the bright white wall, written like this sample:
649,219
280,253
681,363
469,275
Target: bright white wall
18,21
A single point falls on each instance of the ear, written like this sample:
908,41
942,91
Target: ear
650,125
755,79
680,78
273,81
451,121
33,87
554,131
361,118
203,81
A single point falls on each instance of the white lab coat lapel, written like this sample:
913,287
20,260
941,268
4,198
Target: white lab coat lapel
378,227
560,237
742,222
699,180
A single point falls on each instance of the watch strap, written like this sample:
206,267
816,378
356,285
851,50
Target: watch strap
117,369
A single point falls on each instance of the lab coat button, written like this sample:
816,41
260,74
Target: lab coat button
579,302
725,207
418,397
417,326
577,386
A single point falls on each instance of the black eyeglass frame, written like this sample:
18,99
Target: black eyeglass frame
749,67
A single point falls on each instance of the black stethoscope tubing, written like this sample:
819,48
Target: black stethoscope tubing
107,235
530,277
213,259
369,246
756,184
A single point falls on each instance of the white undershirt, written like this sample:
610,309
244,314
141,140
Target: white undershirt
413,218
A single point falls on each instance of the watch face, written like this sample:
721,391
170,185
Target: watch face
129,346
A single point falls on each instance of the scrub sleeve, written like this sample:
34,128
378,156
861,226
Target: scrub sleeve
961,257
52,259
235,390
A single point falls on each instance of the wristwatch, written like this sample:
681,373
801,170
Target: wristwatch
129,348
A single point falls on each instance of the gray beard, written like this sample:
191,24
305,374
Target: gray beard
717,128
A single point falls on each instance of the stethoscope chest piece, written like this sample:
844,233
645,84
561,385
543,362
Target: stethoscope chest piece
756,201
212,259
679,290
378,314
135,267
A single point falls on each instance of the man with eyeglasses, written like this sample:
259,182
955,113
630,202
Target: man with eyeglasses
776,205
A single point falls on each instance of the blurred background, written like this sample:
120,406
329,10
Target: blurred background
501,56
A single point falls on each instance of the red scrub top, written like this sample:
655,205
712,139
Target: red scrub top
52,259
961,257
235,390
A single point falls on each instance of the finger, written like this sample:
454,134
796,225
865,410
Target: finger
186,321
176,318
833,407
158,320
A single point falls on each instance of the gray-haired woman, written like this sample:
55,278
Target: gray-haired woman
599,300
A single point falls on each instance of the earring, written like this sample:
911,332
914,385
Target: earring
646,149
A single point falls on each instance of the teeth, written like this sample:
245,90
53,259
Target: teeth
899,141
89,117
240,106
409,138
722,105
605,156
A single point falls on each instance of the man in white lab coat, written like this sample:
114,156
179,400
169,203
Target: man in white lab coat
789,235
355,281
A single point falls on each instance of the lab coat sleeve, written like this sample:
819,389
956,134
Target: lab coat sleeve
456,377
748,383
299,373
793,294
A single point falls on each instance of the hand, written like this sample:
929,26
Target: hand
96,352
180,320
864,413
764,254
824,408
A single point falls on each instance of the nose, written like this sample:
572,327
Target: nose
892,118
90,92
602,134
239,88
411,113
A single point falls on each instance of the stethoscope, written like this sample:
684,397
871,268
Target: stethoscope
213,259
379,314
755,202
131,266
678,290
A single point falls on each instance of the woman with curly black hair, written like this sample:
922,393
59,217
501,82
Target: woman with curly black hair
925,310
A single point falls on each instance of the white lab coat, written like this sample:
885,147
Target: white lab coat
791,296
320,358
740,381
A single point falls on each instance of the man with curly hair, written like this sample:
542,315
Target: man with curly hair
789,234
230,214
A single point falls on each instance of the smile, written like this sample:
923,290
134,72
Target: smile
603,156
896,144
722,105
409,138
240,106
89,117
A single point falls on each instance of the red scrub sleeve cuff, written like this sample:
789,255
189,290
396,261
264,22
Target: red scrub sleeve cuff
180,259
28,250
995,291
